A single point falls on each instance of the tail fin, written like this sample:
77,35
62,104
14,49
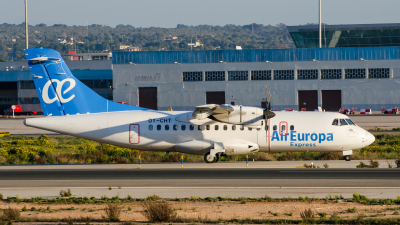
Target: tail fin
60,93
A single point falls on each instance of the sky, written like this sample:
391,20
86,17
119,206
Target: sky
169,13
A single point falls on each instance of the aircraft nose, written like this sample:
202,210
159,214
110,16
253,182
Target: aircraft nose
370,138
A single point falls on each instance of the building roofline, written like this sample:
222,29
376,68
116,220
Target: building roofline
375,26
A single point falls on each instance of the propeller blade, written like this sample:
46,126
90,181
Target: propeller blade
269,102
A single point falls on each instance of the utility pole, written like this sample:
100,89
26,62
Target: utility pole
320,28
26,23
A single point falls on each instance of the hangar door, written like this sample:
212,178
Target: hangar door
215,97
148,97
331,100
308,100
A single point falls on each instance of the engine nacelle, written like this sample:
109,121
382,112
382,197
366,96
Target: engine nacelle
245,115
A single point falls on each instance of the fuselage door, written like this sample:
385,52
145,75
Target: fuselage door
134,133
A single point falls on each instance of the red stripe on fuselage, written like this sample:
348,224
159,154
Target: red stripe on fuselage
269,136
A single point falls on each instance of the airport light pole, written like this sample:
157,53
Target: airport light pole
320,27
26,23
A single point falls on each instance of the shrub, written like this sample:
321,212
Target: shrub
307,214
11,214
24,209
153,198
396,213
288,214
352,210
33,209
66,193
113,212
361,165
322,215
326,165
129,208
1,197
158,212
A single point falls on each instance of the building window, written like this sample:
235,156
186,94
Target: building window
378,73
307,74
215,75
331,74
354,73
100,83
88,83
192,76
261,75
238,75
29,100
26,84
283,74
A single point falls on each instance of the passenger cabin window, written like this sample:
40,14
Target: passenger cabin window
291,127
275,127
250,128
175,127
166,127
216,127
343,122
350,122
191,127
207,127
183,127
335,122
234,127
150,127
242,127
225,127
199,127
283,128
158,127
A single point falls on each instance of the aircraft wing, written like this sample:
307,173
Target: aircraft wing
218,111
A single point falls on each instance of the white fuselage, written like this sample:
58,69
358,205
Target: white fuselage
179,131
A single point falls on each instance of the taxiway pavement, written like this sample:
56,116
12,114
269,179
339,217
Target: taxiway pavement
197,179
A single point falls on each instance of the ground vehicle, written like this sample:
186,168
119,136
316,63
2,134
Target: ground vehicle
18,111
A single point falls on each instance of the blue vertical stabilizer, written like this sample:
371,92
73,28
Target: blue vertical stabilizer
60,93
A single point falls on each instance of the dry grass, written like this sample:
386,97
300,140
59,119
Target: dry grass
158,212
66,193
113,212
307,214
11,214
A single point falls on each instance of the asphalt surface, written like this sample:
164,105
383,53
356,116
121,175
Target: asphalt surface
194,174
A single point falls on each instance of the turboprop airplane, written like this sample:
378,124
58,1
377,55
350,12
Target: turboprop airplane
212,130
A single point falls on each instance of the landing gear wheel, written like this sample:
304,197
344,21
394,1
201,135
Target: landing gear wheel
347,157
210,158
217,156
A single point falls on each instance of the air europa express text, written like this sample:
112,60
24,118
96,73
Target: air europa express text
294,136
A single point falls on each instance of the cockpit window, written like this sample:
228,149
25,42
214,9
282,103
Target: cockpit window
343,122
350,122
335,122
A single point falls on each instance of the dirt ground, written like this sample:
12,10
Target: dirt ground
210,210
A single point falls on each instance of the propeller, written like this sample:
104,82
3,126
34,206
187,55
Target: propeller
268,114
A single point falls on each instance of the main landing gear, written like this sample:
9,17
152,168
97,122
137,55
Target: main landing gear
211,158
347,157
